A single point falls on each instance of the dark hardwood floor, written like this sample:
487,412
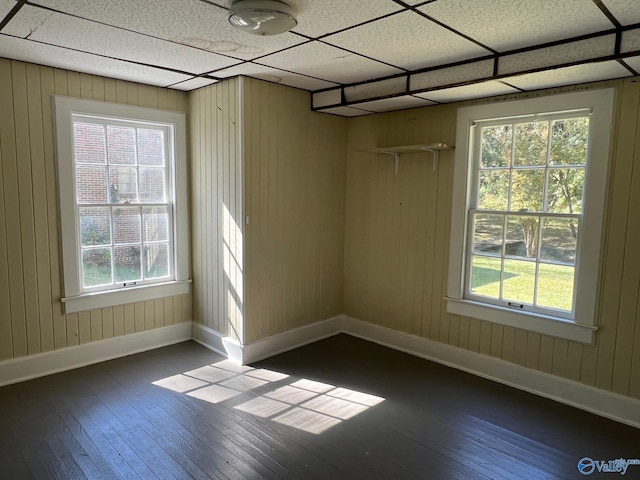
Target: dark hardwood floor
341,408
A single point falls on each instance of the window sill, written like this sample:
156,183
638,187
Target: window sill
547,325
90,301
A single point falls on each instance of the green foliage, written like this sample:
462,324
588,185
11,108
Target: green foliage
496,146
543,151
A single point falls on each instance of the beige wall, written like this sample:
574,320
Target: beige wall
216,208
31,319
397,246
295,163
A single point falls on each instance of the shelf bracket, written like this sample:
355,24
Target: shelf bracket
396,157
435,149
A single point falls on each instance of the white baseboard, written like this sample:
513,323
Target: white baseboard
601,402
217,342
41,364
282,342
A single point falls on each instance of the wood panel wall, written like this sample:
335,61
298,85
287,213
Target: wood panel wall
31,319
295,163
397,247
216,208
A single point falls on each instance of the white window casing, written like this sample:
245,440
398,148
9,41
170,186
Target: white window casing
75,297
582,326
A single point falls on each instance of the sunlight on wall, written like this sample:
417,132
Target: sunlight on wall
232,261
299,403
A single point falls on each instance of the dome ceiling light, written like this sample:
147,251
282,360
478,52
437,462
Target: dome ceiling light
262,17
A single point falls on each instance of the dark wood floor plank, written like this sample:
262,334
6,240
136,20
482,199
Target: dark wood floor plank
111,421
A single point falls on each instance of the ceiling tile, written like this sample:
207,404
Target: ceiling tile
319,18
190,22
380,88
274,75
558,55
397,103
447,76
6,6
330,97
193,83
38,53
633,62
328,63
345,111
423,43
591,72
625,11
510,24
88,36
467,92
630,41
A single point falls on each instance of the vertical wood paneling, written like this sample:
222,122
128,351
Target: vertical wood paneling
48,86
84,327
294,195
216,213
31,319
622,272
25,196
17,315
382,247
96,325
41,229
6,345
118,321
107,322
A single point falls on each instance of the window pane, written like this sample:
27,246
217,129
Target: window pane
96,267
122,145
564,191
555,286
527,190
569,141
487,234
95,226
485,276
156,260
91,184
122,184
519,281
89,143
531,143
156,224
496,146
152,185
127,261
493,192
126,225
559,239
522,236
151,147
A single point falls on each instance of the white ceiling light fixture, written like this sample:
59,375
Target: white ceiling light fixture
262,17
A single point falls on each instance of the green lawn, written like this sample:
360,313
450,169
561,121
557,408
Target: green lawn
555,282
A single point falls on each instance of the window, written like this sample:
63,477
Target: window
122,176
529,186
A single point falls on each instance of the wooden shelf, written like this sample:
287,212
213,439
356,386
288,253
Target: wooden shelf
434,148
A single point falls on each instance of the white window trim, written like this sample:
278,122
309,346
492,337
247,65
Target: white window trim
74,300
583,327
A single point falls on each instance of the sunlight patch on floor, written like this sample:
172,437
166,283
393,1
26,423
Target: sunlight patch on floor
303,404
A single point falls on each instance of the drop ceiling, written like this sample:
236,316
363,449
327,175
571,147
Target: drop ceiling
356,58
